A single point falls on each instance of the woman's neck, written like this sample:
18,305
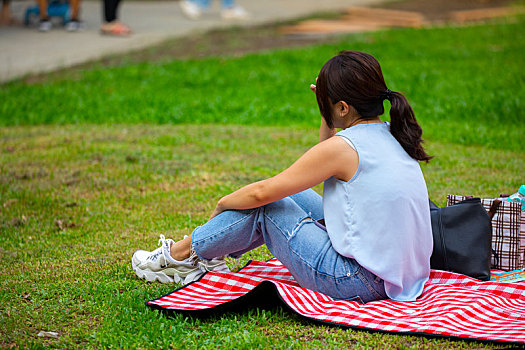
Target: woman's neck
358,121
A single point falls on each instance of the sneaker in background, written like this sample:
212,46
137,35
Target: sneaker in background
74,25
190,10
44,25
235,13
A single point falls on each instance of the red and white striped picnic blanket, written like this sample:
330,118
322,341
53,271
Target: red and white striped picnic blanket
451,305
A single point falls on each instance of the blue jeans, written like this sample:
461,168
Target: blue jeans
206,3
292,234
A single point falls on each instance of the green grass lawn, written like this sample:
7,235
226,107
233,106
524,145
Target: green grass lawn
466,85
96,164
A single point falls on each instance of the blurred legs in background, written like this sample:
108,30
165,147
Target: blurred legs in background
5,14
111,25
74,23
229,11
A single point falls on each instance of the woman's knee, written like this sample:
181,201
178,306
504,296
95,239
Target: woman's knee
310,202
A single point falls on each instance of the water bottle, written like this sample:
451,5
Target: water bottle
518,197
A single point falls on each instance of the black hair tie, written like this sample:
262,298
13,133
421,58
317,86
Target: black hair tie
387,95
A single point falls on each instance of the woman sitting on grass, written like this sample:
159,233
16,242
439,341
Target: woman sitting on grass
375,240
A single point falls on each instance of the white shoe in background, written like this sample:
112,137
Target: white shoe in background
44,25
235,13
74,26
190,10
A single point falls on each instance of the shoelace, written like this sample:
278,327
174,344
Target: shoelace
162,242
193,258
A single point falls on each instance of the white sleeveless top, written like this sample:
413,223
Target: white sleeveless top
381,217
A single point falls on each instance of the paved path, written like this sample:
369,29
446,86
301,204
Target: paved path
25,50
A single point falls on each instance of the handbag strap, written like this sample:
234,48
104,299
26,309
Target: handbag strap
494,208
492,211
496,258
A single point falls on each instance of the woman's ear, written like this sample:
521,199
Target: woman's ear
343,109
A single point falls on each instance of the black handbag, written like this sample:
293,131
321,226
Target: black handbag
462,238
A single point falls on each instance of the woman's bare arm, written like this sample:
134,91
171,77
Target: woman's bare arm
329,158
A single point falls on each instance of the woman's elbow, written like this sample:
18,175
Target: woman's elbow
261,194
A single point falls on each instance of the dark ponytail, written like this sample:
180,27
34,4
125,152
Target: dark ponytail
404,126
356,78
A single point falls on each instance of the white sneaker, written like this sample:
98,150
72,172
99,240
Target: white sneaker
190,10
235,13
74,26
45,25
159,265
216,264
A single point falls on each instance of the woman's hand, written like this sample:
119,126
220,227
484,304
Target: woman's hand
324,132
218,209
313,87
